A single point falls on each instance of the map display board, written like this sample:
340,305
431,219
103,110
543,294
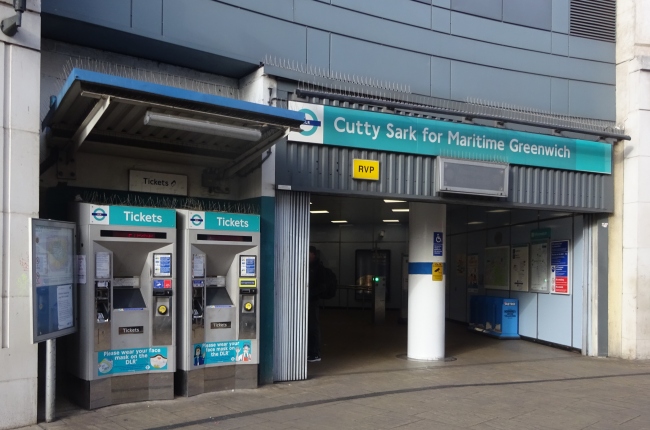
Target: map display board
519,268
539,267
53,279
497,268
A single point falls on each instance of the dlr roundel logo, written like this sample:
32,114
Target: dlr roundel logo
311,121
196,220
99,214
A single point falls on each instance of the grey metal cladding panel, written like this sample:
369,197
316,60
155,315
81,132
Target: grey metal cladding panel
589,100
440,77
488,30
560,16
115,13
560,96
442,3
383,62
558,188
380,31
531,13
487,8
324,168
318,48
441,20
282,9
206,23
560,44
590,49
487,83
327,168
406,11
147,16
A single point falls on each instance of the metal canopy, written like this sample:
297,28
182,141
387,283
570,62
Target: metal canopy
97,112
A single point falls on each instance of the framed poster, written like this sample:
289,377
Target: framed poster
54,286
497,268
539,268
519,268
560,267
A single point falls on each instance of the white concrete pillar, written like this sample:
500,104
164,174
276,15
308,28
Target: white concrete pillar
20,74
426,296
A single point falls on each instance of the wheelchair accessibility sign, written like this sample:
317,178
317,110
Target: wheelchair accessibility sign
437,244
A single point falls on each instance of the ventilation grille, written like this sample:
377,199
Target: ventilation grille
594,19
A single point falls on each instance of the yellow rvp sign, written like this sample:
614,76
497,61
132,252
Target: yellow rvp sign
437,271
365,169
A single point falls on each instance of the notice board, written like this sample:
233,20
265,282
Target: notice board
54,288
539,267
560,267
519,268
497,268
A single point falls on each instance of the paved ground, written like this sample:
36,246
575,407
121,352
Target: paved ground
362,384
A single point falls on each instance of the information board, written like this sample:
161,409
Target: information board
54,306
519,268
539,267
560,269
497,268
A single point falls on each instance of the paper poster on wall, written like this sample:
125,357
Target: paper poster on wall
81,269
198,265
460,264
497,268
519,268
472,271
560,283
65,310
539,267
102,265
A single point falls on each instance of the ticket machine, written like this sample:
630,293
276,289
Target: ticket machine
125,348
218,301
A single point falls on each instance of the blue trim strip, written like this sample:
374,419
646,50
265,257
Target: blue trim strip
420,268
177,93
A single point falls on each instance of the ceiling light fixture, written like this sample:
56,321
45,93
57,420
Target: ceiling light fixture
497,211
394,201
339,221
201,126
319,212
400,210
391,220
475,222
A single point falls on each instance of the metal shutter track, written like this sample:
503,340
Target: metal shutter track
291,276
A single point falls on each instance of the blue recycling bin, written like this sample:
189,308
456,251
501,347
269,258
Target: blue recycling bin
495,316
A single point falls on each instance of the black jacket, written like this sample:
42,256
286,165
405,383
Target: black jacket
316,280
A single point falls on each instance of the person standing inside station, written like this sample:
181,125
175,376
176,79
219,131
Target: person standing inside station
316,287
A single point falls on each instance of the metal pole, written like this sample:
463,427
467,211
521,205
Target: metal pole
50,379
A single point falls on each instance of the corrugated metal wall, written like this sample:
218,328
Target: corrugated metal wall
291,276
326,169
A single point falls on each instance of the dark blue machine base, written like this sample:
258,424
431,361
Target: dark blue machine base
493,333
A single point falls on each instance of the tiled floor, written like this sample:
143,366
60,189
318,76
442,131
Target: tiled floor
362,384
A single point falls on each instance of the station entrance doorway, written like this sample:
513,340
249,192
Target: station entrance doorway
365,242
